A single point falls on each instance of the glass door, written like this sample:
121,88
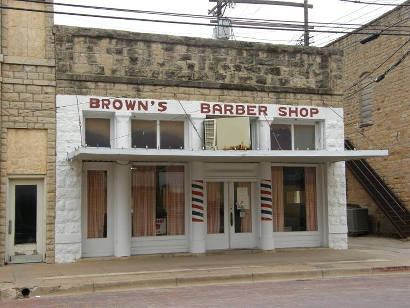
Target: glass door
230,215
241,211
25,221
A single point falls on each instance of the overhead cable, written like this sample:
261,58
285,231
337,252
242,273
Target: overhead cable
185,22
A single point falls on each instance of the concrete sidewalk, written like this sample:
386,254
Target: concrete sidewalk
366,256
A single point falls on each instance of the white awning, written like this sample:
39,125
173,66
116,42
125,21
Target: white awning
153,155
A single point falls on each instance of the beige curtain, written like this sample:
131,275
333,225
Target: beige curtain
277,199
246,221
97,203
143,201
174,200
310,193
213,205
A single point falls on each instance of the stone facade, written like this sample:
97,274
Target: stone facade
28,107
107,63
390,109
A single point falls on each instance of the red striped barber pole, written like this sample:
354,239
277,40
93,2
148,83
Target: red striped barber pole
197,201
266,200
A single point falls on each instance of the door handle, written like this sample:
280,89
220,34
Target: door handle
10,226
231,219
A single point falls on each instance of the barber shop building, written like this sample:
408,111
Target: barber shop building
168,144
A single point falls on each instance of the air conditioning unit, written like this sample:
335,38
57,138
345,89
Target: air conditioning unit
210,134
357,220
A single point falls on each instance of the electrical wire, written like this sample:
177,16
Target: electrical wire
180,22
375,3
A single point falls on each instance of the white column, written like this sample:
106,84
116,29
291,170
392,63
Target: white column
264,134
266,242
196,134
122,131
122,209
336,203
197,209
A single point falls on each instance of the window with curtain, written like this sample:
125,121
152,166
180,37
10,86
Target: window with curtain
96,204
294,199
97,132
158,201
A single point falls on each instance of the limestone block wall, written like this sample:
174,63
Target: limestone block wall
390,108
28,104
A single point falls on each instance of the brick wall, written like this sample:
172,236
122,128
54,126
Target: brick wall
28,99
390,112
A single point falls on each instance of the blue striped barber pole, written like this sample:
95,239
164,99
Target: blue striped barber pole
266,200
197,201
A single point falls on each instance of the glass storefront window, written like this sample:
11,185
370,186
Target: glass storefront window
292,137
304,137
144,134
171,135
281,137
158,201
97,132
294,199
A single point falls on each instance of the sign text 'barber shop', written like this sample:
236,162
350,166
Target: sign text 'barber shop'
222,109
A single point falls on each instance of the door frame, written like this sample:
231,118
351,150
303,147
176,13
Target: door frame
40,182
100,247
229,239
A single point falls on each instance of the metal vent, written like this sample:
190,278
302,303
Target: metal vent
210,134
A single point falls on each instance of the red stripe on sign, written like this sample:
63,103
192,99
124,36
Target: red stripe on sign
198,193
265,192
197,220
268,206
266,219
199,181
197,207
268,180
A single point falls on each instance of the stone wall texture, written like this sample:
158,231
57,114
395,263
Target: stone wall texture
390,109
28,99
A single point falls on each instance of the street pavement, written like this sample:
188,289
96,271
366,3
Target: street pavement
367,256
372,292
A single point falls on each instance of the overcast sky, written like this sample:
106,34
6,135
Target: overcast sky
323,11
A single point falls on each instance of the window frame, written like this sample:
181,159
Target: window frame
187,208
98,115
321,211
158,119
318,132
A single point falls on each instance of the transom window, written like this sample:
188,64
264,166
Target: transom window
97,132
292,137
144,134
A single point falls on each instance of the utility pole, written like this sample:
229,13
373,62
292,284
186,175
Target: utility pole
305,7
225,23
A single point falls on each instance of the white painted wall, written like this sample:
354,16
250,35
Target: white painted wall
68,231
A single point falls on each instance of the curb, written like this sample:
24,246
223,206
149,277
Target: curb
170,282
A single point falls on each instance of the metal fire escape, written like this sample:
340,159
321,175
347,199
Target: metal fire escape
382,195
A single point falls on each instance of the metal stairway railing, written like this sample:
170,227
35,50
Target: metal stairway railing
382,195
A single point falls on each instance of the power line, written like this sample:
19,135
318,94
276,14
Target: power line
380,65
375,3
185,23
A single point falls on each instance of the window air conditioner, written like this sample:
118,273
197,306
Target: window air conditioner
210,134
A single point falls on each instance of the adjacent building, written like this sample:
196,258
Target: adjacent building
377,113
